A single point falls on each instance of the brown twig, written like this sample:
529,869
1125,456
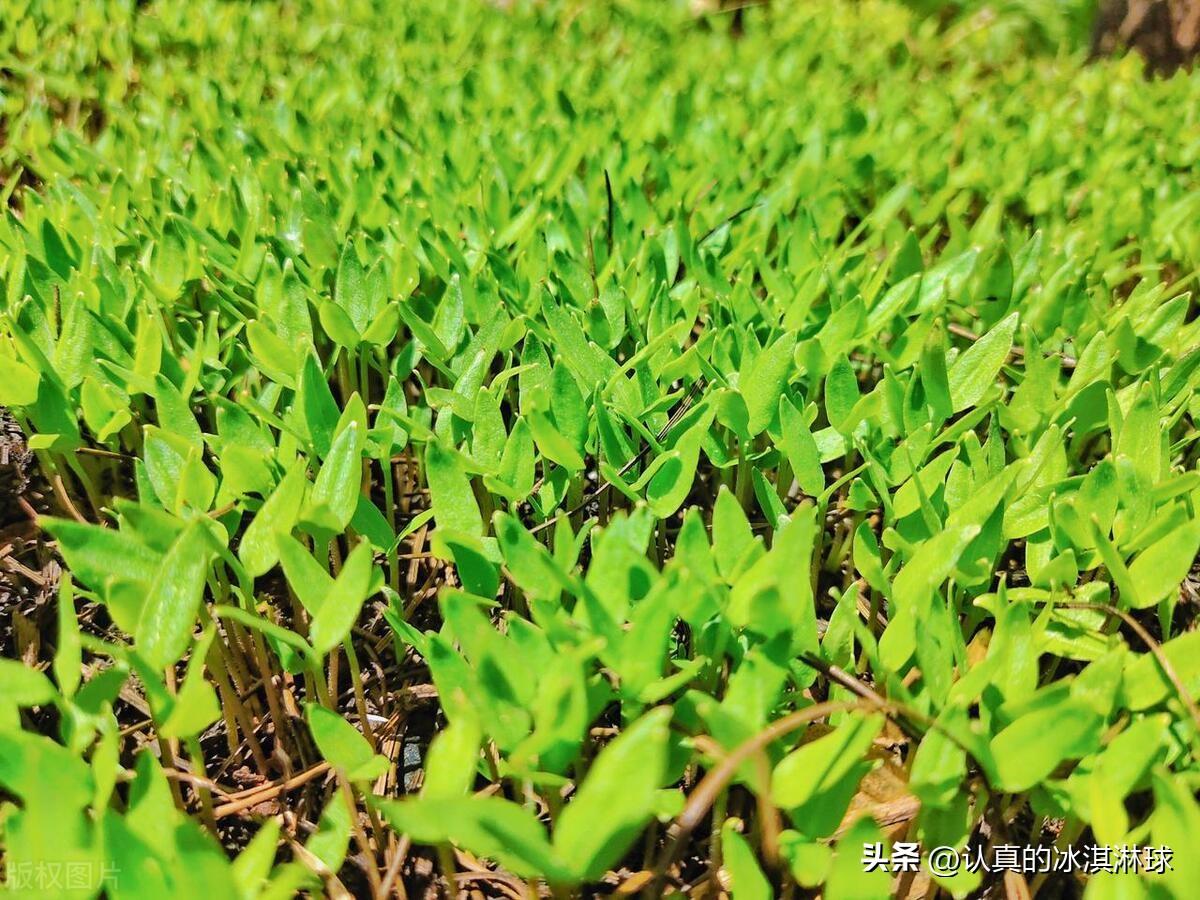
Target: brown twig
64,498
265,792
208,783
391,877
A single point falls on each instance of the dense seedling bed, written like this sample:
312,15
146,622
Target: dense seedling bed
582,447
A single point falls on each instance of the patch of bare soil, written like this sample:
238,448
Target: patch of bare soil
28,571
1165,32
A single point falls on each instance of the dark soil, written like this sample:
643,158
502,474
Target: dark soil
1165,32
15,464
28,571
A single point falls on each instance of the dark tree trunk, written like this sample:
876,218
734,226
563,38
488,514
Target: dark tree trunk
1165,32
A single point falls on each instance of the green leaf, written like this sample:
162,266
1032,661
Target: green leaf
68,655
748,880
383,327
1032,747
350,291
976,369
1175,824
259,549
568,407
489,827
515,478
849,879
339,610
338,325
454,505
169,614
939,766
317,406
934,377
670,477
532,567
1140,437
818,765
731,532
553,443
391,436
472,559
343,745
270,629
19,386
253,864
914,587
274,357
1145,684
762,386
24,686
305,575
616,799
174,412
331,840
801,449
450,764
96,555
195,706
841,393
334,494
369,522
1158,570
